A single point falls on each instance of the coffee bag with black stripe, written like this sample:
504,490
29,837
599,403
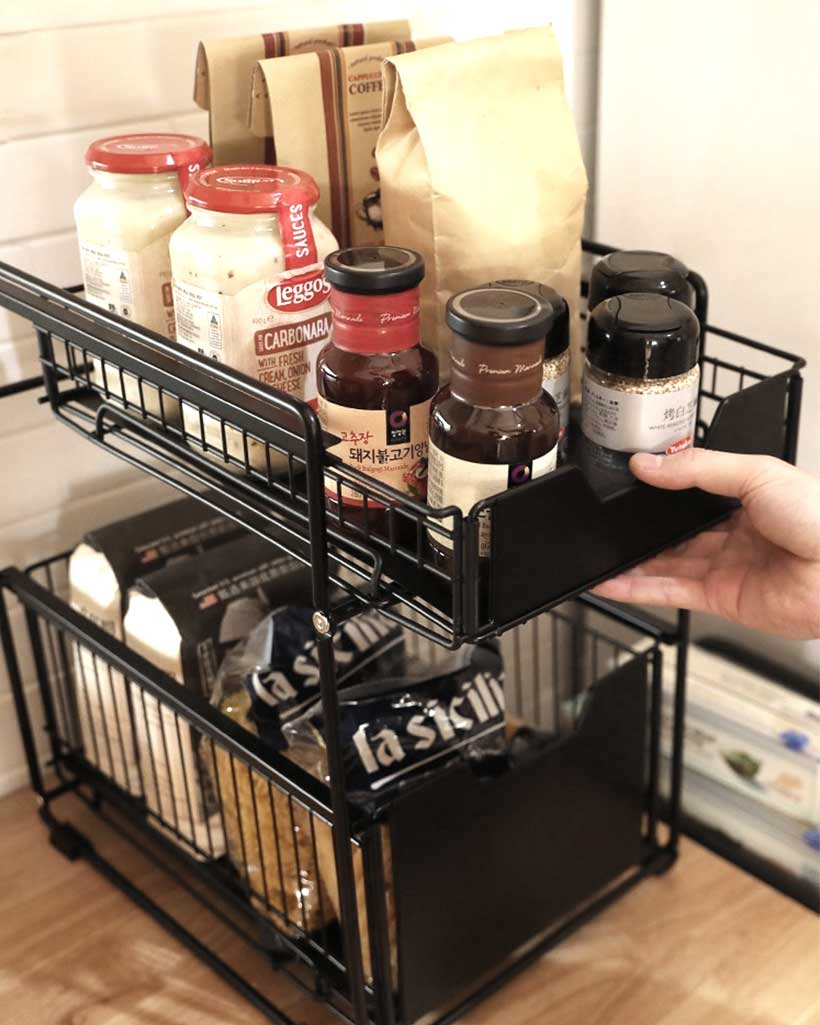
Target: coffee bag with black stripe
224,67
323,111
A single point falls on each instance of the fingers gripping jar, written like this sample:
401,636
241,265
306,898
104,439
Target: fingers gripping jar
249,287
125,219
641,379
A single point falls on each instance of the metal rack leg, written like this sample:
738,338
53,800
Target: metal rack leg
341,829
20,705
684,624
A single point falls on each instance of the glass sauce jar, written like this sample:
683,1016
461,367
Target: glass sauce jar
125,219
493,426
375,381
556,350
641,380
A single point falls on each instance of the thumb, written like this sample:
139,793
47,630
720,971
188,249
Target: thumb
721,473
783,503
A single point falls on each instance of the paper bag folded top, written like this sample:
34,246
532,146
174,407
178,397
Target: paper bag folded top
481,170
325,112
223,78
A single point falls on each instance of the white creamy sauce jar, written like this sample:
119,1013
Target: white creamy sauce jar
249,285
125,219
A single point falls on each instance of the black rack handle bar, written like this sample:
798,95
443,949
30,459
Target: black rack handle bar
191,707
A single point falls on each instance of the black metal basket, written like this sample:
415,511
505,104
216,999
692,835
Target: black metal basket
199,424
585,801
466,878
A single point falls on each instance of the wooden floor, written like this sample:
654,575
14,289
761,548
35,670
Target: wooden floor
704,945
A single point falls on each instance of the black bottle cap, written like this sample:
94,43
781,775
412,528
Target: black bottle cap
643,336
374,270
639,271
498,316
558,333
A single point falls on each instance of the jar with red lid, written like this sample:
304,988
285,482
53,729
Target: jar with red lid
375,380
125,219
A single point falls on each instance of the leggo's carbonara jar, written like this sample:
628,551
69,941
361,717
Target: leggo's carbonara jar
249,286
125,219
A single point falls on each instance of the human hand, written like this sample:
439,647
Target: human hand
760,568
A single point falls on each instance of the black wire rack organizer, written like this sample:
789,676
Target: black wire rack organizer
382,950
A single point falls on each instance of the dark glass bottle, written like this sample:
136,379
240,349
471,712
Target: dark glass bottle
375,381
493,426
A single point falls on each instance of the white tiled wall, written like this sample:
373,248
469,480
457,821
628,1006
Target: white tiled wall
72,72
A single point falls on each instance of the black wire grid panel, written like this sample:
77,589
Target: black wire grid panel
261,453
255,831
201,786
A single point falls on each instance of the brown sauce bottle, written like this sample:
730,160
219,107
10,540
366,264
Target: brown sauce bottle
493,426
375,382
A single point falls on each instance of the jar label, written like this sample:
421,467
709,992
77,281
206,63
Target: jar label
629,421
461,482
134,284
275,345
389,445
558,388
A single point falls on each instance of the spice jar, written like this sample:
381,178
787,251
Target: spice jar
125,219
640,271
493,427
556,379
249,288
375,381
641,379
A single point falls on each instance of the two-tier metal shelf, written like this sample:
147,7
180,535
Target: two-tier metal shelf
466,878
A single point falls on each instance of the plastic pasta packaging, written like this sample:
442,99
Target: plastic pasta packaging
102,568
273,841
184,619
395,733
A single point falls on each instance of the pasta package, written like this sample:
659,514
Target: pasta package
395,733
100,571
323,111
224,67
481,171
183,619
274,843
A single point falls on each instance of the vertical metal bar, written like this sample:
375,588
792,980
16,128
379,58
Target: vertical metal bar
20,705
793,418
44,682
378,927
679,712
47,362
701,312
655,743
341,831
314,489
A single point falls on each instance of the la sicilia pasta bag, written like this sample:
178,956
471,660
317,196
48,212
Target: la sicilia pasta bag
481,170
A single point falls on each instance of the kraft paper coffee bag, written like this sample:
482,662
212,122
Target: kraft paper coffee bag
224,68
324,110
481,170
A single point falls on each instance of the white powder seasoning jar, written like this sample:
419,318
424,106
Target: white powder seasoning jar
641,379
125,219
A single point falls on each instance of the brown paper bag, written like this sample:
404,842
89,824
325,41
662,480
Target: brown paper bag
325,112
223,79
481,170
